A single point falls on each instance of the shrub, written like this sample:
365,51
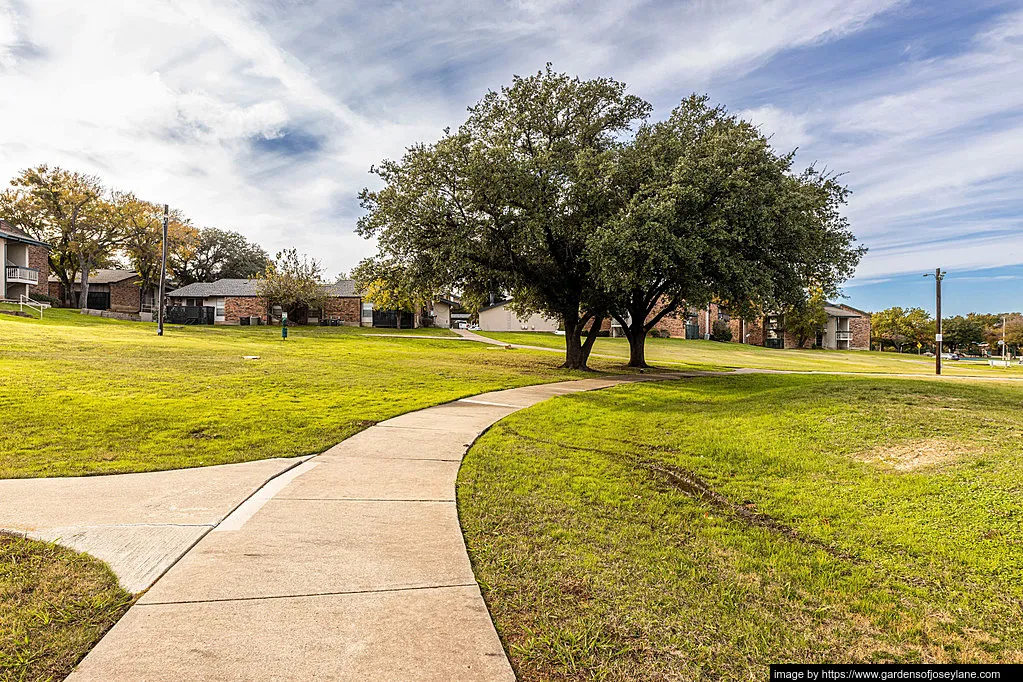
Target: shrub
660,333
721,331
43,298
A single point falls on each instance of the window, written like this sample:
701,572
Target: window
220,307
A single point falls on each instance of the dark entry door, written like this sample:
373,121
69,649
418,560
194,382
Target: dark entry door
389,318
98,300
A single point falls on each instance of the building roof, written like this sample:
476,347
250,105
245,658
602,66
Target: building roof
496,304
16,234
222,287
344,288
243,288
105,276
834,311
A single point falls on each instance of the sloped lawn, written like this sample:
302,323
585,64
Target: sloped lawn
703,529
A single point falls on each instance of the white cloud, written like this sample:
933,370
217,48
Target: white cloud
168,97
786,130
934,154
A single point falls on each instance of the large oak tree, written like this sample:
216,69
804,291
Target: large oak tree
709,211
511,199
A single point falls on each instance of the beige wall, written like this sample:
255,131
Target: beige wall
441,315
502,319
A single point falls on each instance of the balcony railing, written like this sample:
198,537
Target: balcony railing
843,336
20,275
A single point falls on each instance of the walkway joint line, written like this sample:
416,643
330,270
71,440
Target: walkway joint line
311,594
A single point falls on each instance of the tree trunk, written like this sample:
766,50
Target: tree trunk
83,296
577,351
573,345
635,332
637,351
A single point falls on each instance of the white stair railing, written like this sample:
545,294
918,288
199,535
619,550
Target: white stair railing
26,301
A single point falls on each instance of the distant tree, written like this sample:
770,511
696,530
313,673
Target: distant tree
67,210
720,331
962,332
292,282
705,208
890,325
807,318
920,327
389,286
511,199
142,245
219,254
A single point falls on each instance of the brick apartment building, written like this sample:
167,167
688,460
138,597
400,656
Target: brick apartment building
235,301
118,291
846,328
26,267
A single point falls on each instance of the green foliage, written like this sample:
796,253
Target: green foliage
708,210
44,298
540,194
509,201
744,520
807,318
142,237
218,254
389,286
962,333
678,353
720,331
292,282
902,327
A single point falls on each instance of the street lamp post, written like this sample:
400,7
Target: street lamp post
163,272
938,276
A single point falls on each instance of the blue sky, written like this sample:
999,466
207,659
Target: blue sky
264,116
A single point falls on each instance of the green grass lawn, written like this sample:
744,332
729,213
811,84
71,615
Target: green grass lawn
55,604
714,355
702,529
88,395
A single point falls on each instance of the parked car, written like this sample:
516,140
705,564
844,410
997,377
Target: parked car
950,356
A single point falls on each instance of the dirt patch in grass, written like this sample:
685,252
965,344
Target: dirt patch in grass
55,604
917,454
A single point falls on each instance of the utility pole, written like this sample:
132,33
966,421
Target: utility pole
938,276
163,271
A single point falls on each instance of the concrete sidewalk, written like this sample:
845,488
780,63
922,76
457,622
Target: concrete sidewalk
354,569
139,524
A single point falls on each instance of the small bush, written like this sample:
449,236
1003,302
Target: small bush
721,331
43,298
660,333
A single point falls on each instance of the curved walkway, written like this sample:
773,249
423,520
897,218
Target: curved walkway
349,566
139,524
